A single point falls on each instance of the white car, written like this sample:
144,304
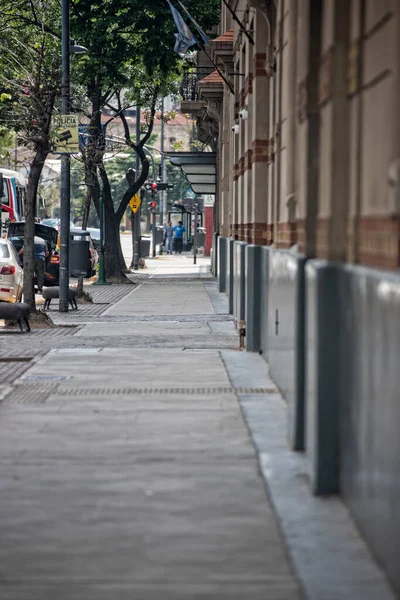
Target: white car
11,273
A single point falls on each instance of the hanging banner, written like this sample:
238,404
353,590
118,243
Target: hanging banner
65,134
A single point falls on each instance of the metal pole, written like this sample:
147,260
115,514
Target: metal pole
65,167
136,220
153,232
163,211
153,166
195,236
102,271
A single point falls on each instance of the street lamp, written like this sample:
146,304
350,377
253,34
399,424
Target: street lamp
67,46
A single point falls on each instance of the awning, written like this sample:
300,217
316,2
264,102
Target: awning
200,169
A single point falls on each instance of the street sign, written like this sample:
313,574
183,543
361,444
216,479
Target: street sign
65,134
190,194
134,203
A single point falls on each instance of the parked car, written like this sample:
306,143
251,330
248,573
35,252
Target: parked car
56,223
50,236
11,273
93,257
51,223
95,235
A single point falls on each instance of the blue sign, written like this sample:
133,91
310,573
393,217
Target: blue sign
190,194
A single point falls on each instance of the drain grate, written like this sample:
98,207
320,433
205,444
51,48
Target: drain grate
76,351
15,359
45,377
34,393
132,391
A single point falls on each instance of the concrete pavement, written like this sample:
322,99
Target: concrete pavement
129,472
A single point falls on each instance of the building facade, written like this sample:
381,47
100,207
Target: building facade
304,115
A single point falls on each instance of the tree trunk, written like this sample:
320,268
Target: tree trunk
92,189
114,259
36,167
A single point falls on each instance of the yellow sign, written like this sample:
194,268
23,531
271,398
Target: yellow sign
134,203
65,134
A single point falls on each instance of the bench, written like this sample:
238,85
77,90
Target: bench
54,292
15,312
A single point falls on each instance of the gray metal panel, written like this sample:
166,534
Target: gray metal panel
230,274
286,335
253,291
222,263
214,258
264,286
200,169
191,158
239,292
204,188
369,371
322,386
200,178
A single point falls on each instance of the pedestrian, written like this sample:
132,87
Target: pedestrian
168,235
40,254
179,230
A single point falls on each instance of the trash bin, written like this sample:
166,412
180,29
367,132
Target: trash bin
145,247
200,239
79,243
159,234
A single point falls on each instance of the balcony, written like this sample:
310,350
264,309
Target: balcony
191,102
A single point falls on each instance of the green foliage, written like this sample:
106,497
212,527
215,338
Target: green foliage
29,68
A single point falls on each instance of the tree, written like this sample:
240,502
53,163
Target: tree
130,49
30,76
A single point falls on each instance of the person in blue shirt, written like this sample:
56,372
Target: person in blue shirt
179,230
168,235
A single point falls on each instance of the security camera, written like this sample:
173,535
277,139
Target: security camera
235,128
244,113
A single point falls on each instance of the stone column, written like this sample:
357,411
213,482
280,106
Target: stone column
309,25
260,139
287,213
334,179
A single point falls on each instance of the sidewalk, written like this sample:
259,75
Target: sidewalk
129,470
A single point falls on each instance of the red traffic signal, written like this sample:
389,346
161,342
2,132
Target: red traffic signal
153,187
153,205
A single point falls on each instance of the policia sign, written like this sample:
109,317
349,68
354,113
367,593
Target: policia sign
65,134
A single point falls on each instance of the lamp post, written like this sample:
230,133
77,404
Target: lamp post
65,165
102,271
137,215
66,49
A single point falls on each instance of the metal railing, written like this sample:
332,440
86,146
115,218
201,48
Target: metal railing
189,83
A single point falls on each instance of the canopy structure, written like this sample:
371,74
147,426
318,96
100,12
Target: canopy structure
200,169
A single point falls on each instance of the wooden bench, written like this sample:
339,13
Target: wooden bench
54,292
16,311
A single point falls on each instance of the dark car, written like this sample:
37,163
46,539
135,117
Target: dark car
50,236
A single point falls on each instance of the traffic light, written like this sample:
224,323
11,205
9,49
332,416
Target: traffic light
152,206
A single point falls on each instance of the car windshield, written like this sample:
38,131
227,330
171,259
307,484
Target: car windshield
50,222
4,251
95,233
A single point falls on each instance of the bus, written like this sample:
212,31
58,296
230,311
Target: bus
12,196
